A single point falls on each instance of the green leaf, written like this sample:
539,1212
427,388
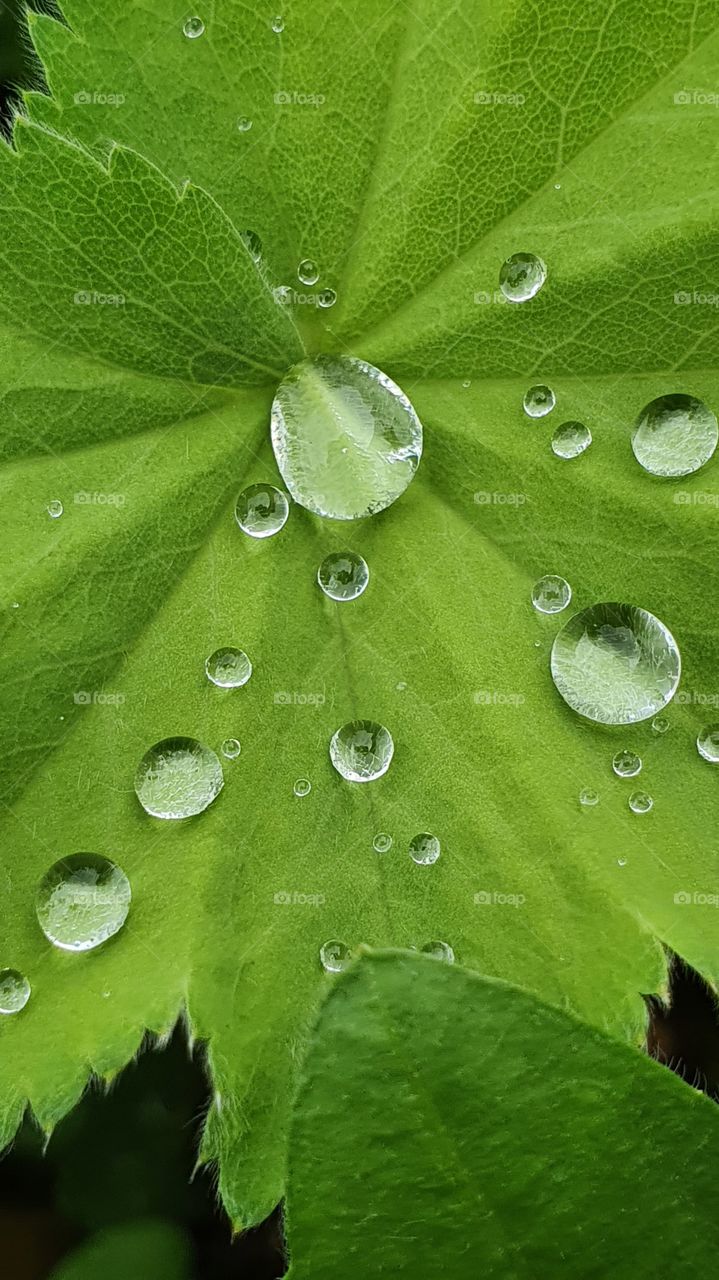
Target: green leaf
146,416
453,1126
144,1247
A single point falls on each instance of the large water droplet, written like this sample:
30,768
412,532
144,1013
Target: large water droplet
640,802
708,743
228,668
615,664
551,594
346,438
302,787
193,28
14,991
335,956
252,243
539,401
522,276
571,439
55,508
343,575
626,764
588,798
261,510
382,842
674,435
82,901
424,849
327,298
362,750
231,748
178,778
308,271
440,951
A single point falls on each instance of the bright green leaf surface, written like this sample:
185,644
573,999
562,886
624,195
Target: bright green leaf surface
146,416
451,1126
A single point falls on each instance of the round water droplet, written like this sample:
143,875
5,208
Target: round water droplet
382,842
661,724
522,276
244,124
335,956
571,439
424,849
14,991
466,384
231,748
401,685
178,778
346,438
327,298
228,668
626,764
621,862
539,401
343,575
362,750
193,28
278,25
440,951
82,901
708,743
308,271
302,787
55,508
551,594
252,243
640,802
615,664
588,798
674,435
261,510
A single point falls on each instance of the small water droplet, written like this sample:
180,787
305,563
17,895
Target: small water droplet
539,401
621,862
231,748
571,439
278,25
640,802
674,435
261,510
252,243
346,438
557,186
467,384
382,842
522,276
615,664
440,951
228,668
16,604
82,901
55,508
14,991
424,849
178,778
401,685
343,575
302,787
588,798
335,956
661,724
308,271
626,764
327,298
708,743
193,28
362,750
244,124
551,594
